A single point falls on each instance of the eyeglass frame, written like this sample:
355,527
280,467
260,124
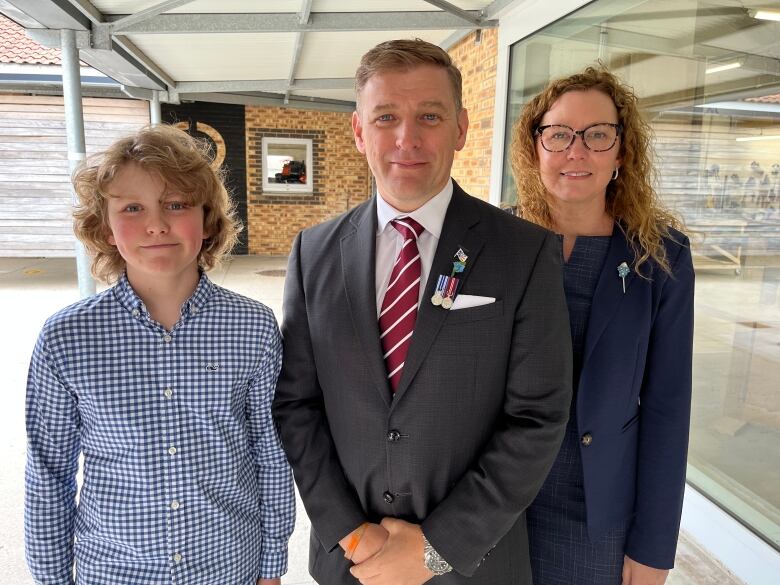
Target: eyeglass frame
581,133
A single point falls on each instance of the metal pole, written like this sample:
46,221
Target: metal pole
155,115
74,128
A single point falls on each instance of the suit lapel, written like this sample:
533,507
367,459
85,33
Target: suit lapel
456,233
609,290
358,260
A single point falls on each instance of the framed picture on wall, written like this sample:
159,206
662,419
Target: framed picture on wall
287,165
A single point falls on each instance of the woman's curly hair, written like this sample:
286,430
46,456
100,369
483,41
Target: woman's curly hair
631,198
185,165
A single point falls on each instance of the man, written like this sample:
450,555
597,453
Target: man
427,373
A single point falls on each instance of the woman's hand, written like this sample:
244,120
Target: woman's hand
635,573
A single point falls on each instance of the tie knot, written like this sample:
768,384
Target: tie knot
408,227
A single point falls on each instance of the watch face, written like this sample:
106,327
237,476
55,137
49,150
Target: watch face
438,566
433,560
435,564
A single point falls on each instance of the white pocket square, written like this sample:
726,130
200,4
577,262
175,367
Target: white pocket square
468,301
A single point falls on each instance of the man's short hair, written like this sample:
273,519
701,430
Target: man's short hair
403,54
184,163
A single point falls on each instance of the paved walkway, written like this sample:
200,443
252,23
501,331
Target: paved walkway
31,289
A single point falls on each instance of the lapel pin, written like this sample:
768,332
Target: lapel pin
623,271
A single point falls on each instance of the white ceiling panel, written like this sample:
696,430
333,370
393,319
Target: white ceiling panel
220,56
338,54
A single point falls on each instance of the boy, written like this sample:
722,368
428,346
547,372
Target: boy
164,383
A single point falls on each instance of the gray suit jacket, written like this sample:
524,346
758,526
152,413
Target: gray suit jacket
480,410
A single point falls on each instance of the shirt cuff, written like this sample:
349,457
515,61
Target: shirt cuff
273,564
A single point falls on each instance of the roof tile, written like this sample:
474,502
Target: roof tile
17,47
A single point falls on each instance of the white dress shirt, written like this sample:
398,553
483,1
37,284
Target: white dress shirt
389,240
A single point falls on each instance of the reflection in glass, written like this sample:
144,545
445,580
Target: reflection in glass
708,75
286,163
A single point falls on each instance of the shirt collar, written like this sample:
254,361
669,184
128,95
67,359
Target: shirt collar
125,296
430,216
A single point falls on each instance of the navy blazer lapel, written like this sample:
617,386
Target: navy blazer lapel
456,233
358,261
609,290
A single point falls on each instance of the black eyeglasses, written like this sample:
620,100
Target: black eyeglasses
598,137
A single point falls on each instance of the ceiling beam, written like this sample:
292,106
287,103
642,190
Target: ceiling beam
496,7
295,56
51,38
150,12
644,43
85,7
305,12
290,22
730,90
267,85
459,12
303,18
270,99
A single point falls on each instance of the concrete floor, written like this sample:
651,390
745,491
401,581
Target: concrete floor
32,289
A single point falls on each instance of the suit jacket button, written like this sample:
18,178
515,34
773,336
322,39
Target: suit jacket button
587,439
393,436
388,497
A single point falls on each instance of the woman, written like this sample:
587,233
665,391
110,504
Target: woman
610,508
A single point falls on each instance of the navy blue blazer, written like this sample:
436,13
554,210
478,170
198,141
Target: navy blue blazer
634,400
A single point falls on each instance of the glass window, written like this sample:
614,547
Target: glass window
708,78
287,165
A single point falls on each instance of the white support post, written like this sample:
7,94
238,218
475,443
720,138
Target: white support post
155,114
74,128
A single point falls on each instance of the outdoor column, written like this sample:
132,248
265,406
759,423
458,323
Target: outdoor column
74,128
154,108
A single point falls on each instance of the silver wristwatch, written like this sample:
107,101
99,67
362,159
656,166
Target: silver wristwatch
433,561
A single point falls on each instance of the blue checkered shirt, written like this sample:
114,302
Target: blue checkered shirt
185,481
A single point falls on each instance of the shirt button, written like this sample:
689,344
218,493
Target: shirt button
172,450
135,313
168,392
194,310
175,505
176,558
167,338
587,439
393,436
388,497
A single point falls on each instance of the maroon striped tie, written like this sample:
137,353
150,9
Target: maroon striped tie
399,307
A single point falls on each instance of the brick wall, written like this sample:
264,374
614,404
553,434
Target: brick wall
477,63
340,174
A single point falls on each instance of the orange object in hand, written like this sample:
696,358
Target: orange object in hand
354,540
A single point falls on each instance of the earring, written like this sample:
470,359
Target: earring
615,174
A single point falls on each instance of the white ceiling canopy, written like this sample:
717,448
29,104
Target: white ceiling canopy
297,52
